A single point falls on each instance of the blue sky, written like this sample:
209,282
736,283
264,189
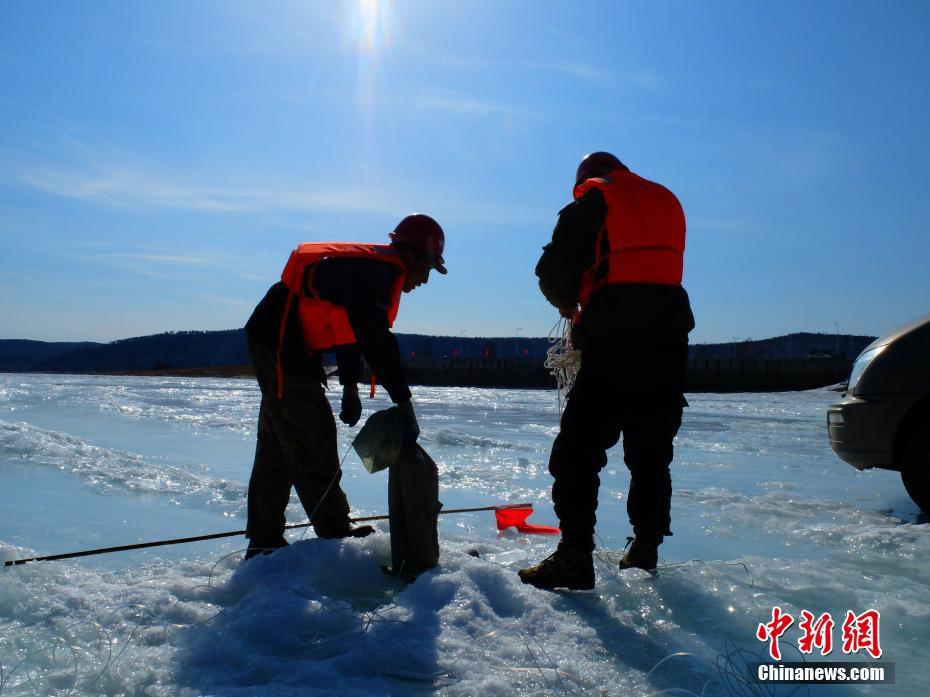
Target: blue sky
159,160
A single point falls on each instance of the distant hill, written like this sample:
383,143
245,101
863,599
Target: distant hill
203,349
209,349
155,352
798,345
24,354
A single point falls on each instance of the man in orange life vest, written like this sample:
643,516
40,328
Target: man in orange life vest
615,265
340,297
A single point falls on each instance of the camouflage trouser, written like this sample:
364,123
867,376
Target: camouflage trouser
296,447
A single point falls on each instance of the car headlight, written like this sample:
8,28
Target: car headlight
860,366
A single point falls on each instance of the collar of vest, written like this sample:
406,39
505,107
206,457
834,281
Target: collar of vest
598,182
311,252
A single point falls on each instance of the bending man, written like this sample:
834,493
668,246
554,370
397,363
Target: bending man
332,296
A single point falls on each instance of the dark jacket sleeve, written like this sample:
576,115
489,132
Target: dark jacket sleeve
379,346
349,363
363,287
571,251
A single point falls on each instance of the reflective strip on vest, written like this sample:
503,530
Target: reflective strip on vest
643,238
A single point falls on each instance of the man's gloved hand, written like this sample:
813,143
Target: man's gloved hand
351,405
411,426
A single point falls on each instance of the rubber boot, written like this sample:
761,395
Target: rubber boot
640,555
340,532
568,567
257,547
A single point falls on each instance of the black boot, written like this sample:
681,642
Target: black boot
640,555
257,547
568,567
343,531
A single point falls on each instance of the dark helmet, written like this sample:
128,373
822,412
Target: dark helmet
597,164
422,232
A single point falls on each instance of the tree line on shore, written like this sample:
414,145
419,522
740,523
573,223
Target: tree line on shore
206,349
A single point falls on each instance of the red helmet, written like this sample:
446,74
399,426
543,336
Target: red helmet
597,164
421,231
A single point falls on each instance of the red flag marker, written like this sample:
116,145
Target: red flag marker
516,517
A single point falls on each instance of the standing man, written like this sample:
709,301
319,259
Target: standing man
339,296
615,265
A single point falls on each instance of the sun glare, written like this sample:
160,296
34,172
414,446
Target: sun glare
369,35
370,29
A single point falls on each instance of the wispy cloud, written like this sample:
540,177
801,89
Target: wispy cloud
21,283
245,306
137,187
573,68
644,79
252,277
641,78
181,260
726,225
283,29
124,187
120,186
158,265
33,111
812,154
467,105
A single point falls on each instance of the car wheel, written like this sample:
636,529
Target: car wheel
915,465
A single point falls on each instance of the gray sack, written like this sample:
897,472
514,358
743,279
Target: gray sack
413,490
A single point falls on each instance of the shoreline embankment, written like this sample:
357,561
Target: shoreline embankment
704,374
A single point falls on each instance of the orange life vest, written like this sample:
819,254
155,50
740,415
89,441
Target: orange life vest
643,237
325,325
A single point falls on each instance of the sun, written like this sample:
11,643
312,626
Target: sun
370,28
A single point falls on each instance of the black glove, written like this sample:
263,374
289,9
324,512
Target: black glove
411,426
351,405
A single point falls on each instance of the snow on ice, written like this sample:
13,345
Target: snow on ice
764,514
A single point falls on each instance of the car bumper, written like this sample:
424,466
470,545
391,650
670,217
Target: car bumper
862,431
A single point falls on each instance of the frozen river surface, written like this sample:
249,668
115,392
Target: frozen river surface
764,515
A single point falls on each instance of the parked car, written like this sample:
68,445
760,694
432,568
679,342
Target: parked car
883,419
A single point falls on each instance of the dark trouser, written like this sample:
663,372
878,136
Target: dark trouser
296,447
600,407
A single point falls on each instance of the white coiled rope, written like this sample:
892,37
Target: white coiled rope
562,361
